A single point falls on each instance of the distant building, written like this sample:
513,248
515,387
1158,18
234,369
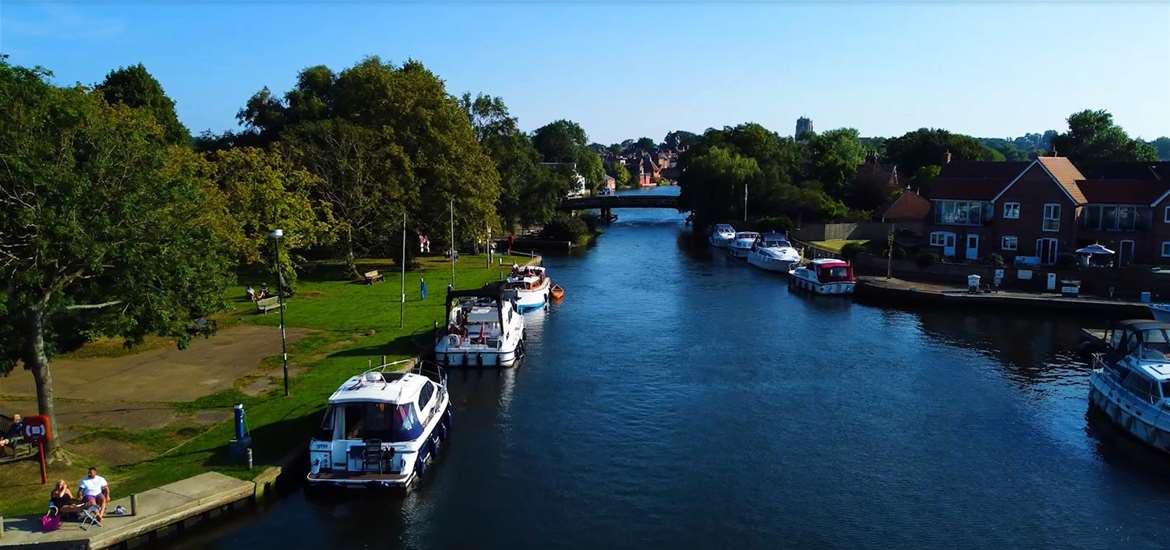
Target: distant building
804,126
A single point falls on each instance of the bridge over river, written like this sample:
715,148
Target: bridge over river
608,202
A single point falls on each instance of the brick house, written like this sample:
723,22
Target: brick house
1047,207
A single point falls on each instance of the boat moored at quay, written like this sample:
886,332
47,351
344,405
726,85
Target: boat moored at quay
1130,381
721,235
742,244
382,429
484,329
774,253
531,285
823,276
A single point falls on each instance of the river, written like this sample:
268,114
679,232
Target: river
681,399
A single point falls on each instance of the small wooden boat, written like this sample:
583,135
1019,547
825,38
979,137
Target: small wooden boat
557,292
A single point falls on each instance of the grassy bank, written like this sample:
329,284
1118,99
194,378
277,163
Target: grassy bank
355,324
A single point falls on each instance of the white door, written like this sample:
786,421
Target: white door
949,245
1046,250
972,247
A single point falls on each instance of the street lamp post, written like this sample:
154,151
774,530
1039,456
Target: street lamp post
276,235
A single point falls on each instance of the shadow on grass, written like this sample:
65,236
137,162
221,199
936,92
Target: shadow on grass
418,343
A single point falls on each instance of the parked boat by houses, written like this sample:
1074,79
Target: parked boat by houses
1130,381
531,285
721,235
823,276
484,329
742,244
1161,312
773,252
382,429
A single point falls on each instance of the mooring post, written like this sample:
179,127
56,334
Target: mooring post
134,504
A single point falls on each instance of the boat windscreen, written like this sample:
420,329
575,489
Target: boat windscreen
838,273
385,421
1155,345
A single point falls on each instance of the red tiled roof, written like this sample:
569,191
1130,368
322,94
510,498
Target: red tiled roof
1065,174
1134,170
1119,191
983,189
909,207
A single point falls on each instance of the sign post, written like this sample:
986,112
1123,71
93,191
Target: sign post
40,429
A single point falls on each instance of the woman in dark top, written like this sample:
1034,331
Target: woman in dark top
61,499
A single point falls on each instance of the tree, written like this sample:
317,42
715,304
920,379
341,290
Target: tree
645,144
713,184
410,148
679,139
621,176
266,191
1093,139
1162,148
560,141
103,226
930,146
835,156
134,87
590,167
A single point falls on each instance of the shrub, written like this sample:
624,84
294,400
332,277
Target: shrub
591,219
781,224
996,260
851,250
1066,259
926,259
564,227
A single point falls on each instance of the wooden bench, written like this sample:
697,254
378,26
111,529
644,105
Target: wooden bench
17,449
372,277
266,304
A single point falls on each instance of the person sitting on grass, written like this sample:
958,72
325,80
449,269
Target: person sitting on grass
94,491
14,433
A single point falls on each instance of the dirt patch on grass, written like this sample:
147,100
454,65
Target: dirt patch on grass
112,451
165,374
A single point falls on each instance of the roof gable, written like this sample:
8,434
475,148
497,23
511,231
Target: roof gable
1061,171
909,206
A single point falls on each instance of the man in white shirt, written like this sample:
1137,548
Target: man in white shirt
94,490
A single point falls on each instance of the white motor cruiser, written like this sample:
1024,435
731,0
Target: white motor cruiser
1130,382
823,276
774,253
531,285
382,429
721,235
742,244
484,329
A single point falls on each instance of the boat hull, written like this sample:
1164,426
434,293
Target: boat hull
719,242
736,252
476,358
779,266
1161,312
825,289
1135,417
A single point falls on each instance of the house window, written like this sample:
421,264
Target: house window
949,212
938,238
1166,249
1011,210
1166,215
1008,242
1051,217
1110,217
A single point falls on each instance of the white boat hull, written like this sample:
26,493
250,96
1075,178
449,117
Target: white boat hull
476,358
1139,418
834,288
719,242
737,252
528,300
771,264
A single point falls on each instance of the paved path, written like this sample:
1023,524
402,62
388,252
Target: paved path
157,508
899,289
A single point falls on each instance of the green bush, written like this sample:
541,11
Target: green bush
564,227
996,260
1066,259
926,259
591,219
851,250
779,224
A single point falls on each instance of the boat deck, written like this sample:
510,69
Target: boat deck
366,476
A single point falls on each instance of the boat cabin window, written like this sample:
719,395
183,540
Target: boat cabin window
1166,389
1141,387
384,421
1114,338
1155,345
326,431
837,273
424,396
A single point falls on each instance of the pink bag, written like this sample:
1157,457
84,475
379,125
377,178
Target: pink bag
50,523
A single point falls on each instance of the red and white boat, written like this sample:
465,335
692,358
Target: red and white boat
823,276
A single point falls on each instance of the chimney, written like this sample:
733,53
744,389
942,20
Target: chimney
947,157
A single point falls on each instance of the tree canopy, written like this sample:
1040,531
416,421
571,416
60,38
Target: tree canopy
104,227
1093,138
135,87
927,146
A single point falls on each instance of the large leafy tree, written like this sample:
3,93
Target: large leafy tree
134,86
266,191
927,146
387,140
714,182
560,141
834,158
1093,138
680,138
102,225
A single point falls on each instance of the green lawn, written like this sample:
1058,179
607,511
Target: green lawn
357,324
835,245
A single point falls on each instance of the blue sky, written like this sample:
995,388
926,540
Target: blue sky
988,69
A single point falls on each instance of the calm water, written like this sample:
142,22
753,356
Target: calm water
681,399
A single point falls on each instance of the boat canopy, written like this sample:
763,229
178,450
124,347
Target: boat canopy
830,270
495,292
1143,340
